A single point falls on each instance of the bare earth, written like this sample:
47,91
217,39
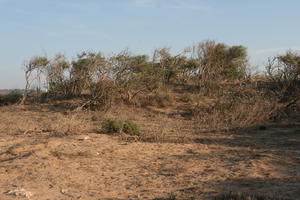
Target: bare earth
52,161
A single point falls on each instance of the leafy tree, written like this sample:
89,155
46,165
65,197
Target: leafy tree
214,62
134,74
36,64
57,83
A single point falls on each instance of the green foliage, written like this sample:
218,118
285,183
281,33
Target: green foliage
111,126
236,62
131,128
37,62
134,75
56,80
131,76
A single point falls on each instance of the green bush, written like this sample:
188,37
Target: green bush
112,126
117,126
130,128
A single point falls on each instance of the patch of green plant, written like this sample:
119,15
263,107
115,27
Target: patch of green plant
111,126
131,128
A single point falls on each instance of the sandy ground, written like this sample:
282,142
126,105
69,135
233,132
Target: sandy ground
43,165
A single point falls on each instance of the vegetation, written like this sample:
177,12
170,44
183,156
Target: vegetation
10,98
208,70
232,196
127,76
131,128
195,106
112,126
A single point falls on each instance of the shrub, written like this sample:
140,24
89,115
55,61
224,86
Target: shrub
158,100
131,128
233,112
117,126
112,126
11,98
283,73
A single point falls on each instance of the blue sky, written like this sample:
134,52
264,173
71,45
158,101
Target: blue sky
39,27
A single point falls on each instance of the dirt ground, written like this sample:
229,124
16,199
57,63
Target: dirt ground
47,154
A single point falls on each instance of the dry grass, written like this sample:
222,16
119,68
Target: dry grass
228,116
27,120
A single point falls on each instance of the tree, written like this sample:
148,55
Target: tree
56,81
284,72
170,66
134,74
36,64
214,62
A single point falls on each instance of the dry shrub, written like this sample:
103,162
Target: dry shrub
19,120
158,99
71,124
283,75
101,96
238,196
10,98
186,98
239,113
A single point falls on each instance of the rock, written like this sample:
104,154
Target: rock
20,192
85,138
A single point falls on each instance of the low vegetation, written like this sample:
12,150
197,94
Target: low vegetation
10,98
232,196
114,126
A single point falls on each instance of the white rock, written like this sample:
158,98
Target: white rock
85,138
20,192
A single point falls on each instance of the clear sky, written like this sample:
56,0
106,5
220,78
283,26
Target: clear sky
39,27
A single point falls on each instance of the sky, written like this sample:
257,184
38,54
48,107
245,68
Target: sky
46,27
